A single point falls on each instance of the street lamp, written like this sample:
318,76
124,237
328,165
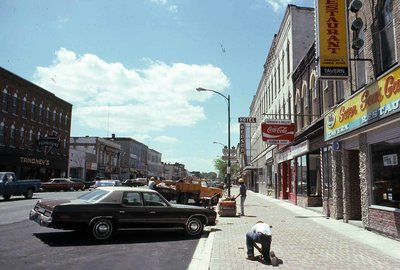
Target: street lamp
228,168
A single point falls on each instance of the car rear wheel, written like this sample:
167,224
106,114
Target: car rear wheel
6,197
194,226
29,194
102,229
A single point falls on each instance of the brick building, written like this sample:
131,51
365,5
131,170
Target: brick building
34,129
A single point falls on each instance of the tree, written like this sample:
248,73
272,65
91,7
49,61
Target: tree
220,166
209,175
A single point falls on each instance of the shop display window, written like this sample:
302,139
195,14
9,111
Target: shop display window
314,175
302,175
386,173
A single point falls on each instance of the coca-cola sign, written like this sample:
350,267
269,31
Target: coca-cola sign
277,131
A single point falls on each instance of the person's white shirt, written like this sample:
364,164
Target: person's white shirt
263,228
152,184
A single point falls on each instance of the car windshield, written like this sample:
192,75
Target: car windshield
105,183
93,195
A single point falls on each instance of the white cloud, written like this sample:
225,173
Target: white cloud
124,100
277,4
170,8
173,9
61,21
161,2
166,139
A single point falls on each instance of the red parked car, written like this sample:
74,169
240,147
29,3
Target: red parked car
58,184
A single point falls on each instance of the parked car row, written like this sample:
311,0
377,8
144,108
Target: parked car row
72,184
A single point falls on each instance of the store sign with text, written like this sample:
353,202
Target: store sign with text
377,101
277,131
331,37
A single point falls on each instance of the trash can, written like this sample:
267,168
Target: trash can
227,208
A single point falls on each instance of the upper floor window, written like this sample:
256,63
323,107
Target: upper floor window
384,37
327,86
306,104
22,136
33,110
30,136
288,57
24,108
15,104
54,118
315,103
339,91
299,110
40,117
5,101
60,120
66,121
2,132
12,135
48,116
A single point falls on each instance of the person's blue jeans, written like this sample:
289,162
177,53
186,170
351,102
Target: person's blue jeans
242,199
264,240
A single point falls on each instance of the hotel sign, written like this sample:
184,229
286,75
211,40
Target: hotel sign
332,53
375,102
242,138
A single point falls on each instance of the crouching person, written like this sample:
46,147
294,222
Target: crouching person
259,233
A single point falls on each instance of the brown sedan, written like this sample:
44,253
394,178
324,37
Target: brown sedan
58,184
108,209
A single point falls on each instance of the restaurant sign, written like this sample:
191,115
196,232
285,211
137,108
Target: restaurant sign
331,21
375,102
277,131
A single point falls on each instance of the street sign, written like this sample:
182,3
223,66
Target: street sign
247,120
337,146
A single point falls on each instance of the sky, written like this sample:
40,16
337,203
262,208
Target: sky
131,67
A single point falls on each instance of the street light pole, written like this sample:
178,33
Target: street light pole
228,168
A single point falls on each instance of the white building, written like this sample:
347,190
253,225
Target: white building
274,98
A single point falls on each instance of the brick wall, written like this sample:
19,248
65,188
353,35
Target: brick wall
385,222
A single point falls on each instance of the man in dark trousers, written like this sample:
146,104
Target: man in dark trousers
259,233
242,194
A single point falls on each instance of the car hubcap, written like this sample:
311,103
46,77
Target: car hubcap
102,229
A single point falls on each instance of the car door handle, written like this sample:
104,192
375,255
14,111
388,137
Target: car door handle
122,212
152,212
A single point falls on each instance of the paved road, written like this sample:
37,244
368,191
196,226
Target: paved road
26,245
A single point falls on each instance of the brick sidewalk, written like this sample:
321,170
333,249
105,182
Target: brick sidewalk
302,239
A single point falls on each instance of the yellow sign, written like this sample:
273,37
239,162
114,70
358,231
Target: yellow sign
332,39
377,101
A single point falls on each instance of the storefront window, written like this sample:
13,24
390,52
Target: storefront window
386,173
327,171
314,175
292,175
302,175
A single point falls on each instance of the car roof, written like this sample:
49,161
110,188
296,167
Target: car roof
122,188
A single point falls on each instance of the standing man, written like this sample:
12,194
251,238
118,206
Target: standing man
152,183
242,194
259,233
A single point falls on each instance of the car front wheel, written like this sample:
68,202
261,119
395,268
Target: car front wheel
194,227
29,194
102,229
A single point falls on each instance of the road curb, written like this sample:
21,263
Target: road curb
202,254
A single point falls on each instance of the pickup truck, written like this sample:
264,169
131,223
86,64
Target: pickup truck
10,186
